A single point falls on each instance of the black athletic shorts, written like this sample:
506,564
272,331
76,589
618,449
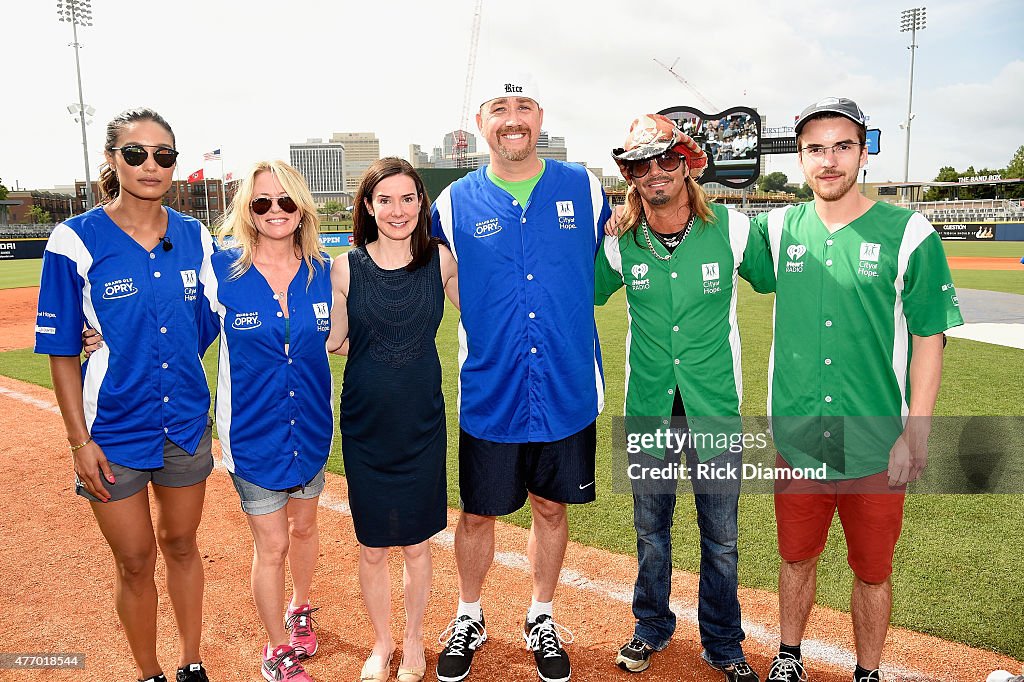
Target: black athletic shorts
494,478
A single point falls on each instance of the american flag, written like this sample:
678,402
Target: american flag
212,156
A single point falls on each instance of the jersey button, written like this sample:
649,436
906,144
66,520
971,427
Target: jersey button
167,399
524,219
677,361
163,330
828,323
827,434
156,274
533,315
828,399
828,262
674,275
675,328
293,422
295,452
152,256
828,361
529,276
289,361
164,365
828,242
670,391
291,394
515,203
280,314
533,350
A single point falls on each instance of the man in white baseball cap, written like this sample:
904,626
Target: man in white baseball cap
524,231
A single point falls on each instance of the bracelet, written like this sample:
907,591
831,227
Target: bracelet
81,445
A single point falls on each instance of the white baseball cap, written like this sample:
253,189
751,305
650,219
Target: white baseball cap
506,85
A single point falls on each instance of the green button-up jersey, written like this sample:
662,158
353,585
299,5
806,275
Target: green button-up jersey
847,303
682,321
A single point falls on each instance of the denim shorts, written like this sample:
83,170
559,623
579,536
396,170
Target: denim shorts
257,501
180,470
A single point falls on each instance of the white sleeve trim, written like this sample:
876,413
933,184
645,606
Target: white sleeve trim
443,205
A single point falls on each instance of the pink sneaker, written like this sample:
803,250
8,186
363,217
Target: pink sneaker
282,665
300,622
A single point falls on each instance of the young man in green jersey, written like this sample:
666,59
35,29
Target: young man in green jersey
679,257
863,296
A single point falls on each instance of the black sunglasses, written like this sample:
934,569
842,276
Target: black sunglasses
136,155
667,161
261,205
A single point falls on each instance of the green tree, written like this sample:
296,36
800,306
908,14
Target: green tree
332,209
3,189
37,215
946,174
1015,169
773,182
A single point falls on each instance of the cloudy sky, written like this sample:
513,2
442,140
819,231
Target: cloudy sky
250,77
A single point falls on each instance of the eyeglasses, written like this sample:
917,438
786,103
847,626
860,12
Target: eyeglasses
839,149
261,205
136,155
667,161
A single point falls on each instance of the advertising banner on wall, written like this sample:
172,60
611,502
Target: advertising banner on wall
11,249
966,231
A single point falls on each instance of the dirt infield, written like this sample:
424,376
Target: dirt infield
979,263
17,315
58,581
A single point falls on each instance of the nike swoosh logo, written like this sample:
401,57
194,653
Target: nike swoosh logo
587,485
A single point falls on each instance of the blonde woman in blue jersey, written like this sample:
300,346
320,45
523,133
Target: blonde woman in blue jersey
271,289
129,269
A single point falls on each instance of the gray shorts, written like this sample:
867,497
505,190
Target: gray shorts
180,470
257,501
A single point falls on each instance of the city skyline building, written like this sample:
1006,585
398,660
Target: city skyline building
323,166
361,149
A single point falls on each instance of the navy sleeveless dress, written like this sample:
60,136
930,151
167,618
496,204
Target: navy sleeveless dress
393,436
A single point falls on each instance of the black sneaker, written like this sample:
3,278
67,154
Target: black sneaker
737,672
544,636
635,656
155,678
193,672
786,668
456,660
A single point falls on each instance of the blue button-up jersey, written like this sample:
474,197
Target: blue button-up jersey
529,356
146,383
275,410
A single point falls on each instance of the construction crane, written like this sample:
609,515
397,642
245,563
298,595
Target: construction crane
461,144
687,84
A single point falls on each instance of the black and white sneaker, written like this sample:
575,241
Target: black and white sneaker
635,656
155,678
544,637
464,637
786,668
736,672
193,672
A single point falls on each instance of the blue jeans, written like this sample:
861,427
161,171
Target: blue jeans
718,606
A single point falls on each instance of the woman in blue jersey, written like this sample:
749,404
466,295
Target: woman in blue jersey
139,413
272,292
389,299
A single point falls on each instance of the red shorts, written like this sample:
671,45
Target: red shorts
871,513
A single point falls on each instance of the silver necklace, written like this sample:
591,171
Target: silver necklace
650,244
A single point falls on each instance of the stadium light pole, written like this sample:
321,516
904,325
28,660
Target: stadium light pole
912,20
79,13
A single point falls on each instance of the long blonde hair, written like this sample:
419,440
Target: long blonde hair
238,223
699,204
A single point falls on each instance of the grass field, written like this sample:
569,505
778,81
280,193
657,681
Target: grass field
985,249
959,556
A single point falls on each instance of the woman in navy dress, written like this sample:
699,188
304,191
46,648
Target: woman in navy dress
389,300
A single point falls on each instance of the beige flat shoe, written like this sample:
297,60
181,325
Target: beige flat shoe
375,675
411,674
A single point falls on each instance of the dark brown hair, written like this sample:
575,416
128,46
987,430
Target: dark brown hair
364,226
109,184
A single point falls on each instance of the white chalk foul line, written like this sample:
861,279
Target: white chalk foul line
814,649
